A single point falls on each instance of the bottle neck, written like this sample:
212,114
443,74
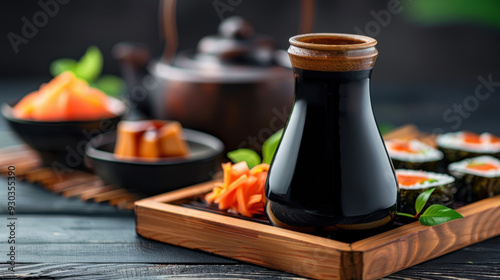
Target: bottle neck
344,90
336,76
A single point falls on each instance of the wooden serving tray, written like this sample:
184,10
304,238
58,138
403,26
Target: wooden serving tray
171,218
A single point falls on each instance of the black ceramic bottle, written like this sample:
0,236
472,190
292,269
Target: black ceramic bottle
331,169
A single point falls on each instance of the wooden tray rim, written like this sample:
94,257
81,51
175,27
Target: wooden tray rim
470,212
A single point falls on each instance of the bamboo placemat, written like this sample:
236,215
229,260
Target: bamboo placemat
86,186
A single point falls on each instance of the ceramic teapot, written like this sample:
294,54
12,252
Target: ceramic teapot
236,85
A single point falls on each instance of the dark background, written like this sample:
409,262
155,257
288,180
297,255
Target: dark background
430,54
430,57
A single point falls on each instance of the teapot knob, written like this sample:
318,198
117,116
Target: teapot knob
236,27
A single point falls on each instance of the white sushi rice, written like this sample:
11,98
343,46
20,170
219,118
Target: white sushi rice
442,179
425,152
454,140
460,167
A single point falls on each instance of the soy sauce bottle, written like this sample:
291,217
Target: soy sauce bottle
331,169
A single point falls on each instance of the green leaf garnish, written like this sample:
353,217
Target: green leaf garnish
62,65
111,85
437,214
270,145
385,128
89,68
251,157
90,65
422,200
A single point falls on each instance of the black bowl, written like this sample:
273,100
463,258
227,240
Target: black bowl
154,177
61,144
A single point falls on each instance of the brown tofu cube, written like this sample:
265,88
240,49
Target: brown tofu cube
172,140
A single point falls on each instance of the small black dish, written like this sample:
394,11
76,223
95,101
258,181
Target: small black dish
61,144
155,177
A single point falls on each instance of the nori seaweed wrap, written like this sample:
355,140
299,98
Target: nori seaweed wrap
477,178
457,146
413,155
412,183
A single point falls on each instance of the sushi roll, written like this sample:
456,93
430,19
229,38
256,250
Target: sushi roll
412,183
460,145
413,154
477,178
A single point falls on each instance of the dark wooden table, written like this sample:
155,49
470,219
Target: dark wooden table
61,238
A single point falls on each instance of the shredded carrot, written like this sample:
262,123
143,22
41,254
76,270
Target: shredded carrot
242,190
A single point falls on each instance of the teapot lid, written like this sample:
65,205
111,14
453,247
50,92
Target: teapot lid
236,44
235,53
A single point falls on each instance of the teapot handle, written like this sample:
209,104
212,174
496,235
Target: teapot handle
306,16
168,28
168,25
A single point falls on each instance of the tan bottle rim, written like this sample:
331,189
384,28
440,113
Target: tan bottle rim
332,52
347,42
